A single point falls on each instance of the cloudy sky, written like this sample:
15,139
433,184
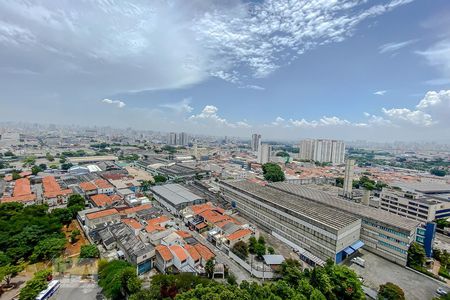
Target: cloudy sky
349,69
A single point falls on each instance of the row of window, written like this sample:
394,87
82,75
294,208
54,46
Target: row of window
393,239
390,230
392,247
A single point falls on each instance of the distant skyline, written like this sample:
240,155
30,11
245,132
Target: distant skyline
369,70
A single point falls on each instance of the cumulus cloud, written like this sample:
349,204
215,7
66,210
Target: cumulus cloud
380,93
179,107
209,116
393,47
415,117
117,103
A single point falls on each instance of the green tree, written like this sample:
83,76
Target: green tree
438,172
66,166
8,272
118,279
159,178
35,285
49,156
16,175
270,250
240,249
209,267
390,291
48,248
35,170
260,250
252,242
64,215
416,255
273,172
73,235
89,251
317,295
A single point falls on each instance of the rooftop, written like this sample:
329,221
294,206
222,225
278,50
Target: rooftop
347,206
175,193
239,234
164,252
102,213
293,205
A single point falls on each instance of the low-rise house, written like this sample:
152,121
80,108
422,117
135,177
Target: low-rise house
164,258
240,235
103,200
104,187
88,188
103,216
52,193
21,193
134,225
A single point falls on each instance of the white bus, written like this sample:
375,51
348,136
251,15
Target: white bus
49,291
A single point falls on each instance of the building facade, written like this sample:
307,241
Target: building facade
256,140
264,153
322,150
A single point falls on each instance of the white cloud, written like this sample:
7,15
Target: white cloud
392,47
415,117
380,93
179,107
209,116
118,103
438,56
253,87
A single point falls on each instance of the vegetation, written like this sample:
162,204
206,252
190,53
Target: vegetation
368,184
240,249
257,247
74,235
416,256
35,170
444,258
9,271
49,156
169,149
129,158
442,223
29,161
16,175
89,251
438,172
73,153
118,279
390,291
160,178
28,231
282,154
66,166
272,172
209,267
35,285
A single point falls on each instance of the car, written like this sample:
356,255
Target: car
359,261
441,291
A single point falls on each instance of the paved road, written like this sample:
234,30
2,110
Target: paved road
76,289
379,271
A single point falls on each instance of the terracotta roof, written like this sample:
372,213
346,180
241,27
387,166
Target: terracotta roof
22,187
136,208
179,252
132,223
197,209
52,188
87,186
200,225
183,234
239,234
8,178
223,223
102,213
102,184
193,253
25,173
213,217
158,220
101,200
24,198
164,252
152,228
204,251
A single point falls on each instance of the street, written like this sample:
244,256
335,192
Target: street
76,289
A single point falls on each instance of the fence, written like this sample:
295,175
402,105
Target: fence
262,273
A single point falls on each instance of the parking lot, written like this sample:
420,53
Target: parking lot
75,288
378,271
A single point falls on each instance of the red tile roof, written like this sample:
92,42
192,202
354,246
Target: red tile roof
22,187
158,220
179,252
132,223
204,251
101,200
164,252
52,188
87,186
102,213
192,252
102,184
239,234
136,208
183,234
152,228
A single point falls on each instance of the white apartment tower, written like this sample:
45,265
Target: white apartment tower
256,140
264,153
322,150
183,139
172,138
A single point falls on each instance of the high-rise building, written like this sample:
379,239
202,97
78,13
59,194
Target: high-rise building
183,139
348,178
322,150
172,138
256,140
264,153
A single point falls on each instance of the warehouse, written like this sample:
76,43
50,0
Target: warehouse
383,233
175,197
316,231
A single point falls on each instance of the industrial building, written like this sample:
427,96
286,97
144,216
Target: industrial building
383,233
422,202
317,231
175,197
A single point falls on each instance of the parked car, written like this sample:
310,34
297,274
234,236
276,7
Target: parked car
441,291
359,261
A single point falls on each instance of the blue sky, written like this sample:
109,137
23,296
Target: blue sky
374,70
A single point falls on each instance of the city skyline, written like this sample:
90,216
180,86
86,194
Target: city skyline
230,69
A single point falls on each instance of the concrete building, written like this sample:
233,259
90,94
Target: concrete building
172,138
318,232
422,202
382,233
256,141
175,197
348,178
264,152
100,217
182,139
322,150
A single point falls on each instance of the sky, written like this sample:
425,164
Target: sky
350,69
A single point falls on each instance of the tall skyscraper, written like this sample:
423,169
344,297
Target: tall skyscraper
348,178
183,139
322,150
172,138
264,153
256,140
